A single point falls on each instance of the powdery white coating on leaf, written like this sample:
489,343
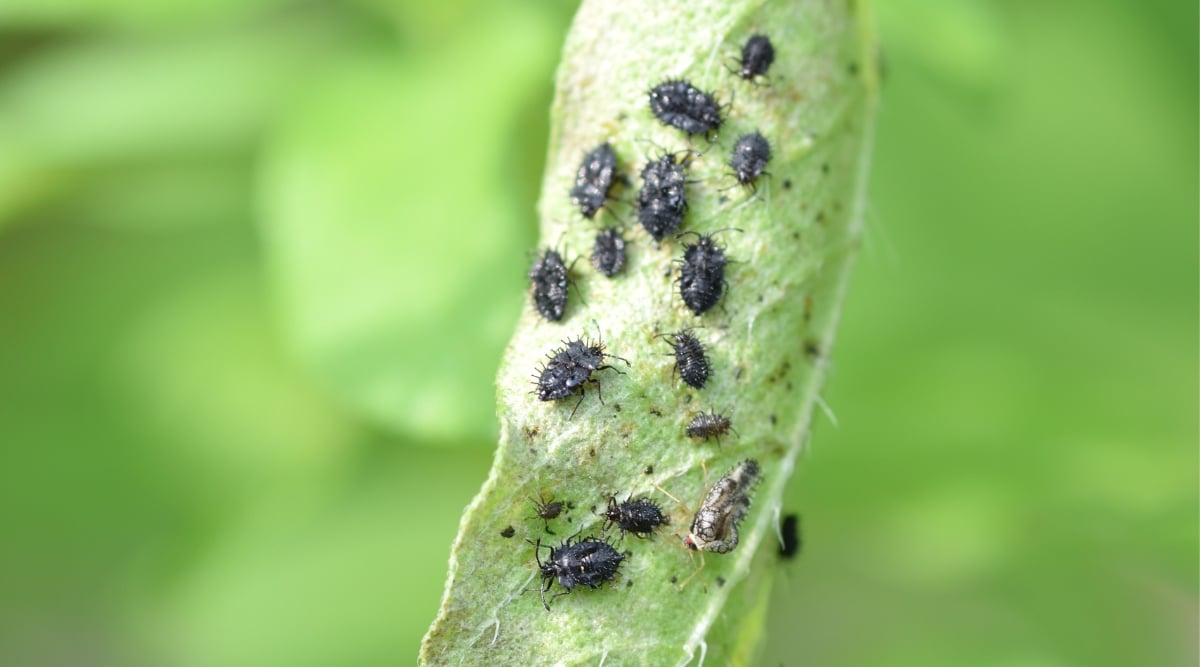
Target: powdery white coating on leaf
786,279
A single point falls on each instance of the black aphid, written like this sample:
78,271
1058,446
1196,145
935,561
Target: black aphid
588,562
547,509
608,255
751,154
702,276
550,281
709,425
790,530
508,532
570,368
639,516
594,179
757,55
681,105
690,361
662,201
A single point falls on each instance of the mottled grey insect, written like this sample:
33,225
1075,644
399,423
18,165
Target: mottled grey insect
715,526
588,562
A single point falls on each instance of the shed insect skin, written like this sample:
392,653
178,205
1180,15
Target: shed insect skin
691,362
587,562
715,525
594,180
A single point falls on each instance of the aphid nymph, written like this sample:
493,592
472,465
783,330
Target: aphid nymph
547,509
709,425
702,276
594,180
750,156
662,201
715,525
550,278
639,516
608,255
679,104
757,55
588,562
569,369
690,360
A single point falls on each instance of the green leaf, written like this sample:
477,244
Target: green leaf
770,340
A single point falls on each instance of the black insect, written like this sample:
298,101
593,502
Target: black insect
639,516
570,368
594,179
690,361
550,278
608,255
662,200
508,532
547,509
702,276
681,105
588,562
790,530
757,55
751,154
709,425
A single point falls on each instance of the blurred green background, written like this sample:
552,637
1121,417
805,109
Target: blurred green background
259,258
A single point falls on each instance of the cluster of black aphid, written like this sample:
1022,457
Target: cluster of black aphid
661,205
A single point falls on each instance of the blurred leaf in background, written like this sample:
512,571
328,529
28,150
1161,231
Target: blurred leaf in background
254,255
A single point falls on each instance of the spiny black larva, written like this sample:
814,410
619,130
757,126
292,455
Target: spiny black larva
702,276
662,201
690,360
639,516
790,530
546,509
608,255
570,368
550,278
594,180
679,104
709,425
715,526
750,156
757,55
589,562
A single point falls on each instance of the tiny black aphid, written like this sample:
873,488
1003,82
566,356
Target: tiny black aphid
594,180
608,255
790,530
570,368
757,55
639,516
702,276
751,154
690,361
550,281
715,526
588,562
508,532
681,105
546,509
709,425
662,201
